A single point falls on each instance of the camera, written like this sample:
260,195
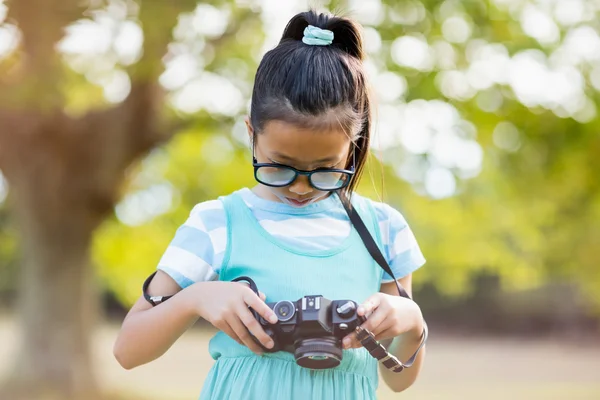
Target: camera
312,328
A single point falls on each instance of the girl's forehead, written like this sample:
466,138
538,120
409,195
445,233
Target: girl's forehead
290,142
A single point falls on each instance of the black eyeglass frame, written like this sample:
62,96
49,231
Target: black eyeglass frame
349,173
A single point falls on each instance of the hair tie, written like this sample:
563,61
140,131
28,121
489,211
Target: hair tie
315,36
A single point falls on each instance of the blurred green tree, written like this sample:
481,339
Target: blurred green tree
65,152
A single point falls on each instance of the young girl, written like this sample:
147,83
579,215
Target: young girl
310,126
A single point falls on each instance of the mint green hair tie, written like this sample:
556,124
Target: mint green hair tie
317,37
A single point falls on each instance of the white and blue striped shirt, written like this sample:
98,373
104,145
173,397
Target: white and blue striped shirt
196,252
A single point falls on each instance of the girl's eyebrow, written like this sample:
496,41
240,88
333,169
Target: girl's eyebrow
291,159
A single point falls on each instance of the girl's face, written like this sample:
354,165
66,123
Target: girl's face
302,148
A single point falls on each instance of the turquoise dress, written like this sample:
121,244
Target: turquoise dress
283,272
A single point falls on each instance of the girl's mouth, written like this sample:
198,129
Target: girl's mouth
298,203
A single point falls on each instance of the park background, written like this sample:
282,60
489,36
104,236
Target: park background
118,116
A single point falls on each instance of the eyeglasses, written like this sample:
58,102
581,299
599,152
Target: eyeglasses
279,175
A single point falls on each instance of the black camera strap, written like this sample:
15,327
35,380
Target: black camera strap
154,300
369,241
366,338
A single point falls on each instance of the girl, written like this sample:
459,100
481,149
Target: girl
309,125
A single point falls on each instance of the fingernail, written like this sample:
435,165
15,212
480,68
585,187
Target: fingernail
361,310
270,344
273,318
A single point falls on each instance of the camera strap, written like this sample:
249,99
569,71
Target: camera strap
154,300
366,338
369,241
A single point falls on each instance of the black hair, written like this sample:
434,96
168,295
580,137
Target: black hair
316,85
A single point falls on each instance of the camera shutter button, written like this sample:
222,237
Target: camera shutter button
346,309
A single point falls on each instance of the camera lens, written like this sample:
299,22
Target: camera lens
318,353
284,310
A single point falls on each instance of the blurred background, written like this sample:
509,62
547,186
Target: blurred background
118,116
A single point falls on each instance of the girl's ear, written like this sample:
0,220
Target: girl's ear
249,128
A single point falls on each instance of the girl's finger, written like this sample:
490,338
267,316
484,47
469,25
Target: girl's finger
229,332
375,320
262,296
254,327
258,305
369,305
386,334
351,342
243,333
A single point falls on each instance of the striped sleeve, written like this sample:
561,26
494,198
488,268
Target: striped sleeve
401,249
196,251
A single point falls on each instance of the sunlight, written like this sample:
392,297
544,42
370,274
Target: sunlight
580,45
506,136
367,12
3,11
180,69
274,15
10,36
372,40
440,183
210,92
595,77
455,85
412,52
407,12
560,89
96,47
389,86
140,207
572,12
117,86
456,29
539,25
210,21
3,188
433,129
445,55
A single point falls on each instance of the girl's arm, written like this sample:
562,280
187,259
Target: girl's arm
405,345
148,332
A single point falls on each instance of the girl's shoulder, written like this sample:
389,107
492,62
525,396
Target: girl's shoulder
400,246
208,215
384,212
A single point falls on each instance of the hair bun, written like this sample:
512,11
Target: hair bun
346,33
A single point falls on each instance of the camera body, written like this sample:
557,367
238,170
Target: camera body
312,328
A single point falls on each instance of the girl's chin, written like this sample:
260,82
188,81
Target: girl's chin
297,203
269,194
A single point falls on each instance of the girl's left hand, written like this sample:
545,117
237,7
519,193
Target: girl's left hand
387,317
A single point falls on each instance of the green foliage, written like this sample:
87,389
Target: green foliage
530,215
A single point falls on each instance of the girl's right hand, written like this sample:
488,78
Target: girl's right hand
225,306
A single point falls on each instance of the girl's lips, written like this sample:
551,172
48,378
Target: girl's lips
298,202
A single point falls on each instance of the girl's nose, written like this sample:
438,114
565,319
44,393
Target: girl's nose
301,186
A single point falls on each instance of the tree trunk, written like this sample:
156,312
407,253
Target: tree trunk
56,214
65,175
57,311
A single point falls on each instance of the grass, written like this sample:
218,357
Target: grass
456,368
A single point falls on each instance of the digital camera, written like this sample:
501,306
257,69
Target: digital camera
312,328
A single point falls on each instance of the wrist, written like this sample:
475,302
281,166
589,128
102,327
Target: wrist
414,330
418,323
194,299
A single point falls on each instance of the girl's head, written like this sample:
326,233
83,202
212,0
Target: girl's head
310,106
